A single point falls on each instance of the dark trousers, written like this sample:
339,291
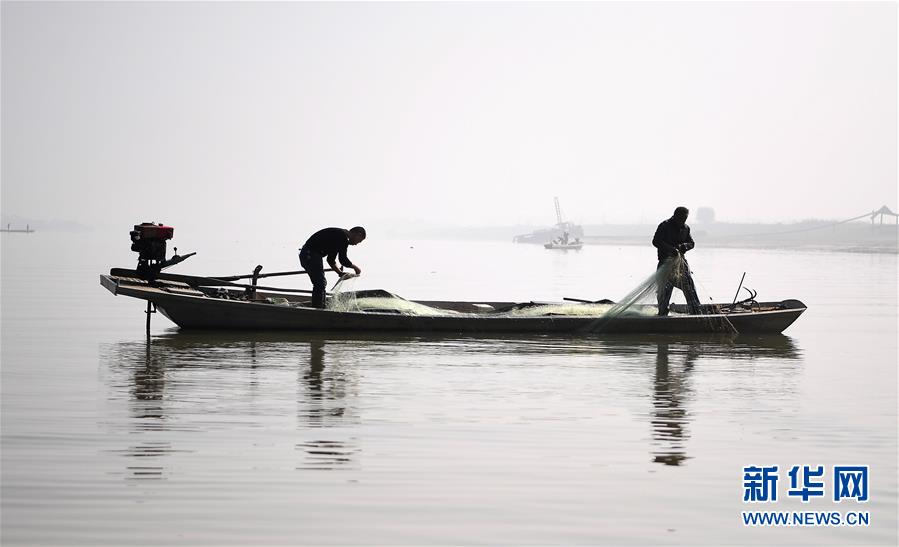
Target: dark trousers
683,281
312,263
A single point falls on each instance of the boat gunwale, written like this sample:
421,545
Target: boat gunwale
118,289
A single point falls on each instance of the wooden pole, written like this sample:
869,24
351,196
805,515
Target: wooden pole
738,290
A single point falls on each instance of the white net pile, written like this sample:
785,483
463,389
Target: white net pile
345,299
385,304
641,301
577,310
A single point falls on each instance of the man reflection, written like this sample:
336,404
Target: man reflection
322,390
324,397
669,418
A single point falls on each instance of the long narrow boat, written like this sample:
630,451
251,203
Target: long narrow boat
191,305
194,302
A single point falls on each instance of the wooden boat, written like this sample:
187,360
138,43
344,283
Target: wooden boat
194,302
191,303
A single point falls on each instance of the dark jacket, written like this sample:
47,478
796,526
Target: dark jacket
668,236
330,242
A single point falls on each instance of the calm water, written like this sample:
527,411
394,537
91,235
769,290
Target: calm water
316,439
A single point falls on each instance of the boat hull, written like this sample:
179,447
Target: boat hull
194,310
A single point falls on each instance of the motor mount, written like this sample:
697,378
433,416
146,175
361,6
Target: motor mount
148,240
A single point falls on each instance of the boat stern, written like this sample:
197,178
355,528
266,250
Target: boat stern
109,283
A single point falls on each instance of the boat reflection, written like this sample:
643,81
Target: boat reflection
173,382
675,362
146,388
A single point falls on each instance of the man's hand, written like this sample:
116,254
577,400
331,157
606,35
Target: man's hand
682,248
358,270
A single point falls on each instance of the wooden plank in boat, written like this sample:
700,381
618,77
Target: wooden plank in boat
183,290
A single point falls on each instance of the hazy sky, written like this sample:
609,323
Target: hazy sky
296,115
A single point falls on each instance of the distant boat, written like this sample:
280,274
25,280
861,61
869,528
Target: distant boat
9,229
574,246
565,242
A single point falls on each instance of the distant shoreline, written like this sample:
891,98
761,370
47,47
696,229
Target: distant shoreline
852,237
857,247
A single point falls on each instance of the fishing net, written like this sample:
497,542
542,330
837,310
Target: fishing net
345,298
344,285
385,304
646,293
576,310
641,301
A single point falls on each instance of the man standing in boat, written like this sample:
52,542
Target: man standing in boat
331,243
672,240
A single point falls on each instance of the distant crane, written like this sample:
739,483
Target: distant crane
566,240
546,235
561,223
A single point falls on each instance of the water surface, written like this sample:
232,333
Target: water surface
291,438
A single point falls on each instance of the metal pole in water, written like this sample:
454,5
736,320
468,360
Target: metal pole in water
148,312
